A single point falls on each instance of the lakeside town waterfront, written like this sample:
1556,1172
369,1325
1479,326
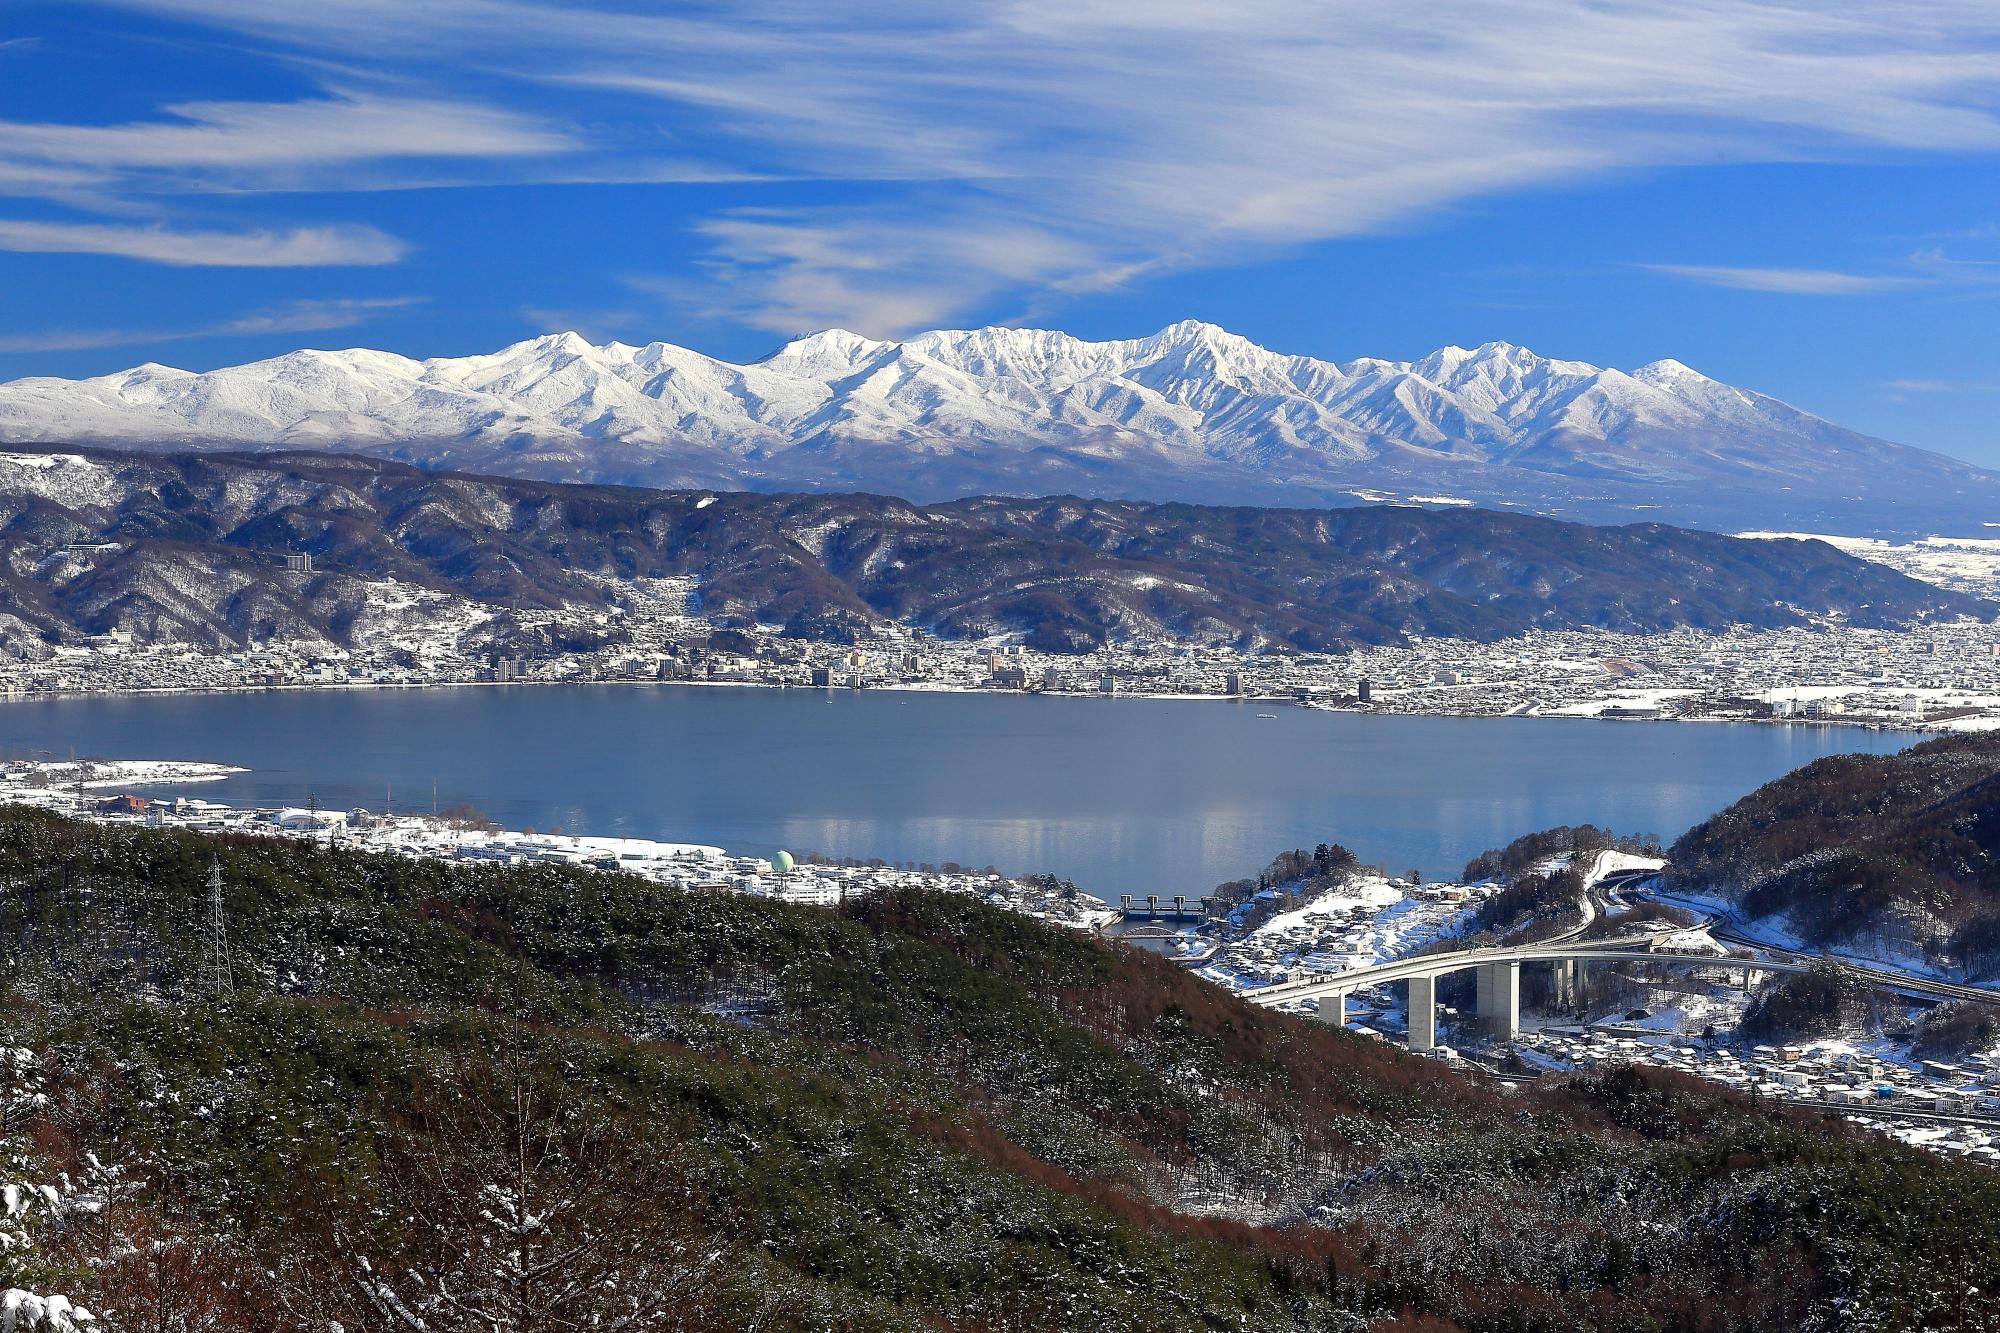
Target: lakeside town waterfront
1935,676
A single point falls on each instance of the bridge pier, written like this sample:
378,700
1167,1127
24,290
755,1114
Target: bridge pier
1498,991
1332,1009
1423,1013
1569,985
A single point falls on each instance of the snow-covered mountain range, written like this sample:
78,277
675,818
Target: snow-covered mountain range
1191,412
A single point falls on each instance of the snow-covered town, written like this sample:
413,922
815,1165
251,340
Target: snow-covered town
1943,676
1945,1105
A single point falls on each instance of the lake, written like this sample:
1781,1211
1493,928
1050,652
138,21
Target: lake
1121,795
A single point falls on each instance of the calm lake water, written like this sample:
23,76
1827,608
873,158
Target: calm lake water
1125,795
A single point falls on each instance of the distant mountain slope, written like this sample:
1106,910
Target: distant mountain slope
195,541
1902,849
1191,413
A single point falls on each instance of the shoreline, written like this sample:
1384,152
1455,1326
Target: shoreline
694,866
174,691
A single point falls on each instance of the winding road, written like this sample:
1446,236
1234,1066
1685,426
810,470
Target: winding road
1568,945
1724,928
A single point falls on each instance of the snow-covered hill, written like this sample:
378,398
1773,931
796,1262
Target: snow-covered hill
1191,412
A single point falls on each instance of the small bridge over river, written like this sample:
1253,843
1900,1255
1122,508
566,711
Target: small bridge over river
1179,906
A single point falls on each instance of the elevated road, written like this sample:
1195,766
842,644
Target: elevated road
1455,960
1498,969
1883,1110
1588,914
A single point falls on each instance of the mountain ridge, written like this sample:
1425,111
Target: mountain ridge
183,548
1192,412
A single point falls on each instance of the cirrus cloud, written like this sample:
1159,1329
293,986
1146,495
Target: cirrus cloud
295,247
307,316
1789,281
1062,145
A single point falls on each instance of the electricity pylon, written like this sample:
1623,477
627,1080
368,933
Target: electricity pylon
217,974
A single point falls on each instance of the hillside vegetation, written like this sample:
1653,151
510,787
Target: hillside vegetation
1543,876
196,545
1895,850
457,1097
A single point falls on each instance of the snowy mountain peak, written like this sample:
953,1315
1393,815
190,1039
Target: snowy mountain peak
1191,410
840,348
568,343
1498,350
1668,371
1199,331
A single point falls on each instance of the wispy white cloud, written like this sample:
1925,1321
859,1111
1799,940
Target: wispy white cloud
273,145
307,316
296,247
1789,281
1901,386
1946,266
292,317
880,269
1944,274
218,149
1073,143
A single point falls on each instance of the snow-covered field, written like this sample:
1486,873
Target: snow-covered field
99,774
1620,701
1963,564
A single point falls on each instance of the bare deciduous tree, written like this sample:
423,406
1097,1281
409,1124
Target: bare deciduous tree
501,1212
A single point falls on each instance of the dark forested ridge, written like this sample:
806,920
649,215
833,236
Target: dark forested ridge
559,1099
197,538
1900,849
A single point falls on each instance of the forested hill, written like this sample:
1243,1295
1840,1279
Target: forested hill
188,548
451,1097
1897,851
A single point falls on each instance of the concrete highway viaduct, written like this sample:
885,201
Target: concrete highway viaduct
1498,979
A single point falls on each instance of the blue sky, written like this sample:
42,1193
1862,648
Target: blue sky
1804,200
